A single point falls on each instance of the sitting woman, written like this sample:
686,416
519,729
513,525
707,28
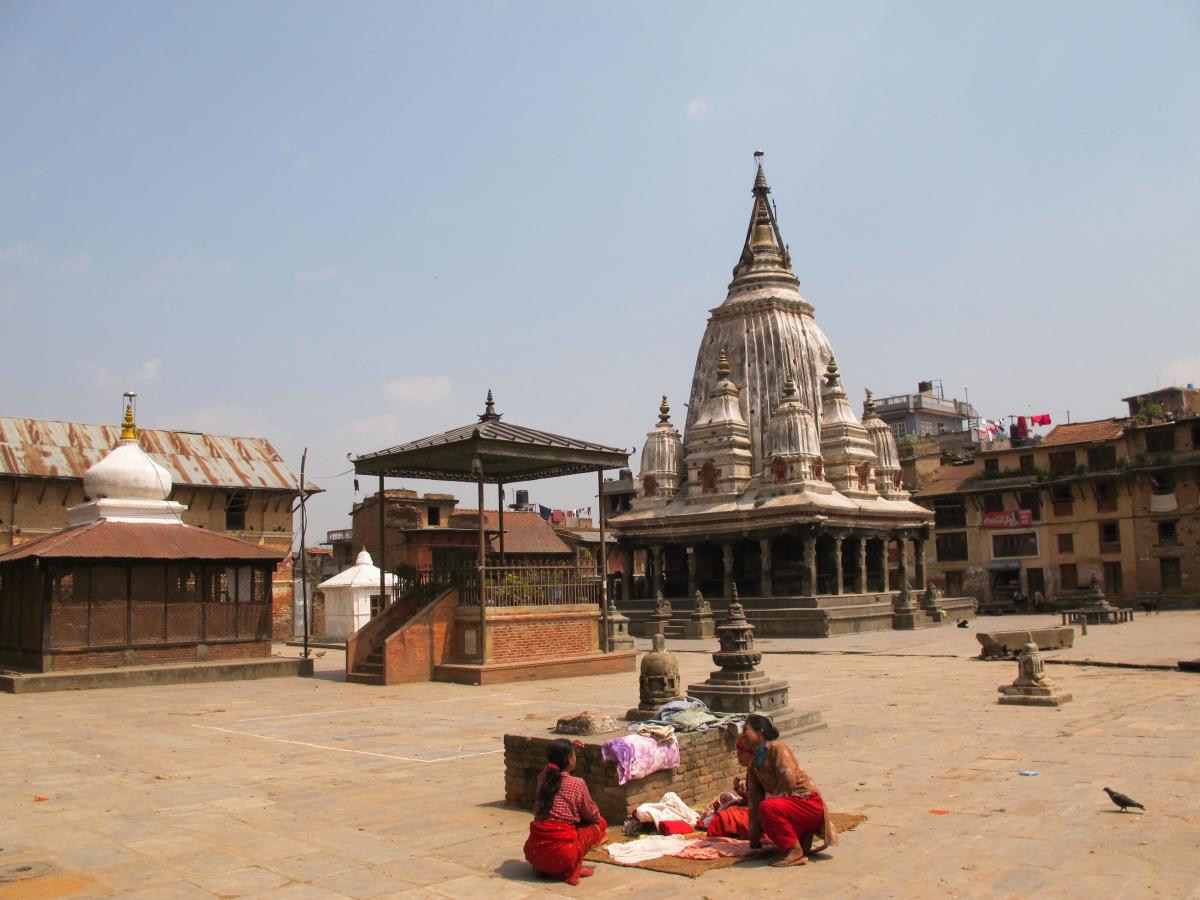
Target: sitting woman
729,816
784,803
566,823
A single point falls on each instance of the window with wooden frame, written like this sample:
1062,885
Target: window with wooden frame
993,503
1062,462
1110,536
1106,496
1066,543
1160,440
1068,577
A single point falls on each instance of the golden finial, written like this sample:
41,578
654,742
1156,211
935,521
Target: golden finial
664,411
723,369
128,425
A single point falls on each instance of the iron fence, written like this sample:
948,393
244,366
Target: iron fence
537,586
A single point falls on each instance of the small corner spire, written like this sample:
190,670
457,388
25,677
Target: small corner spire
664,412
831,372
869,404
128,424
723,368
789,388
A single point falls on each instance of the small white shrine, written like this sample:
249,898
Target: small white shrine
348,597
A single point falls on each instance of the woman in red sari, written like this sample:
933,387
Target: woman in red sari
566,823
784,802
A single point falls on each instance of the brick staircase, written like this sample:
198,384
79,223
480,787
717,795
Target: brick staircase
370,670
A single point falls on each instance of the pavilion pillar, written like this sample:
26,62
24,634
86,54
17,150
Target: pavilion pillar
886,574
604,635
500,507
482,573
902,563
862,565
810,563
767,586
383,600
840,585
727,570
693,582
660,560
626,573
919,562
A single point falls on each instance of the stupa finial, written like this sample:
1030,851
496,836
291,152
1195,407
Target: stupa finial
789,389
489,409
128,425
831,372
664,411
723,368
869,404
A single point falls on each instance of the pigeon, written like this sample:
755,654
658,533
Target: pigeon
963,623
1122,801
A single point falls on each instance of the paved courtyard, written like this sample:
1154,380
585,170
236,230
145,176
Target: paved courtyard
318,788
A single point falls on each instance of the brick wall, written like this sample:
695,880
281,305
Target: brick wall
707,766
148,656
527,633
281,601
421,643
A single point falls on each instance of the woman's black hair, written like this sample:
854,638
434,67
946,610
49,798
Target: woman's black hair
558,754
763,726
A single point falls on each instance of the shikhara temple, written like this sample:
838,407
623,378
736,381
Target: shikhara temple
776,490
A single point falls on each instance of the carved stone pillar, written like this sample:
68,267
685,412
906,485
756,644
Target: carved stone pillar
764,553
840,585
862,565
901,562
660,561
919,568
810,563
693,584
884,563
727,569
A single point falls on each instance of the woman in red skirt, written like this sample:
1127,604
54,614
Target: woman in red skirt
566,823
784,803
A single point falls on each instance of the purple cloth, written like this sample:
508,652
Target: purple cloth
637,756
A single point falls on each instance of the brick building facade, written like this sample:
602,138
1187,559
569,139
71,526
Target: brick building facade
1116,501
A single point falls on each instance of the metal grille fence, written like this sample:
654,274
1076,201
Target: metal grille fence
147,604
536,586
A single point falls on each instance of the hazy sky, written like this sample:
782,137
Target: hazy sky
337,225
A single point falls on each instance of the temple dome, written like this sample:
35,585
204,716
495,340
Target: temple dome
793,430
127,472
662,456
765,328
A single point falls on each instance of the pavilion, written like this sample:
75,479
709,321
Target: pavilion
494,621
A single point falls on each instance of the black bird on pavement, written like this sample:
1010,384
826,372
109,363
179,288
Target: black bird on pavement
1122,801
963,623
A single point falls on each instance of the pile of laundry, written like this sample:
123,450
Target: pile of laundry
675,833
688,715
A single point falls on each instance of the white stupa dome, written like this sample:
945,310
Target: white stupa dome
127,473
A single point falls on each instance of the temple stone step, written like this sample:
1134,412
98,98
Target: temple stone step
357,677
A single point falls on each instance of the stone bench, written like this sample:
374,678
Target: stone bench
1110,616
1008,644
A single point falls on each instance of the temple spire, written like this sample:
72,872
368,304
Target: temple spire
128,425
764,243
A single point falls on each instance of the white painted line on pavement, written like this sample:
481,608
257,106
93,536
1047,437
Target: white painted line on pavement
338,712
277,740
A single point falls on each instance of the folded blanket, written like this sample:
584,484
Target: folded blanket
647,848
637,756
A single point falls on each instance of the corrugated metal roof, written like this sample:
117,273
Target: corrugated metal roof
142,540
41,448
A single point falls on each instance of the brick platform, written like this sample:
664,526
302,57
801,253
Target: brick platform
707,766
137,676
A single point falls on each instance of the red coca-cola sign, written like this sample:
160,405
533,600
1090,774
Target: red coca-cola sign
1009,518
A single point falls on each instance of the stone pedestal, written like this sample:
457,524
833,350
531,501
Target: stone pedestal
619,638
1032,687
739,687
701,623
658,683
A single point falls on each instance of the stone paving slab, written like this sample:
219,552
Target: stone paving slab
317,788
